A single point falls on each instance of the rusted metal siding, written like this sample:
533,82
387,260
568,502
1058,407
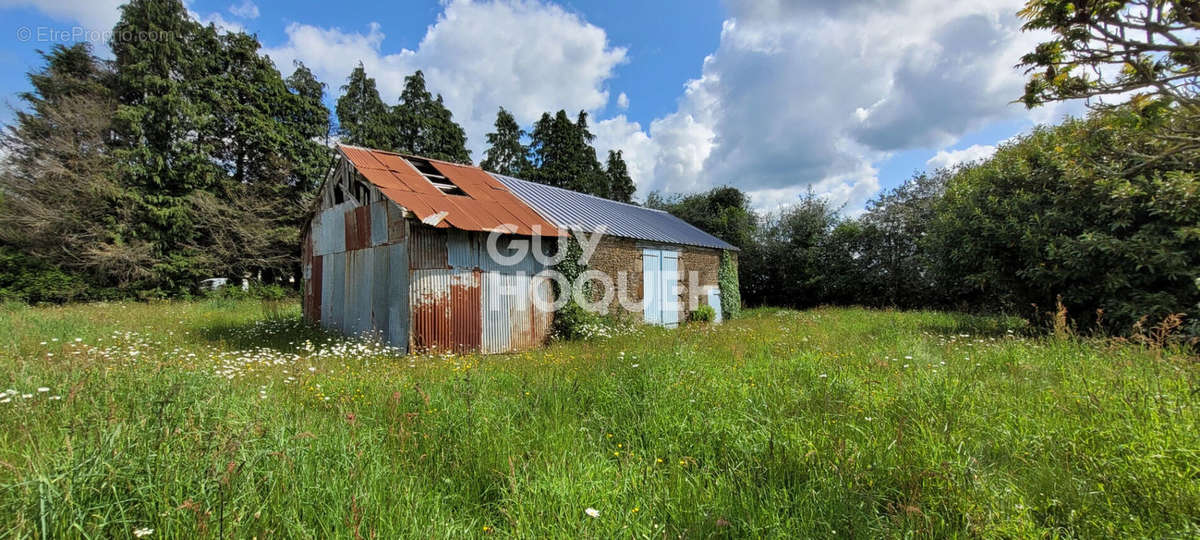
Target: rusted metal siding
357,228
467,302
445,306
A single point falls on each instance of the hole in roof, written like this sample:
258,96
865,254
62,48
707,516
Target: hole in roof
440,181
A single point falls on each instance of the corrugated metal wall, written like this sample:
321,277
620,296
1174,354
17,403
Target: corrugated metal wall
356,271
462,300
370,271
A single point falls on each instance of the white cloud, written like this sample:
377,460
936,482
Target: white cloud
949,158
799,95
95,15
623,101
216,19
246,10
525,55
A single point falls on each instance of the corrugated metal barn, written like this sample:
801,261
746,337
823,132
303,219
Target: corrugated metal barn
397,248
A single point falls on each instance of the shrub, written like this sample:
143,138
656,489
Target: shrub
27,279
570,320
1072,210
703,314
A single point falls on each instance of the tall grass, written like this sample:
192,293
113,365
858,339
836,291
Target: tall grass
224,418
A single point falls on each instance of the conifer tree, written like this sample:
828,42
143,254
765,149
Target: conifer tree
591,178
563,154
424,126
310,118
505,153
620,185
363,118
159,156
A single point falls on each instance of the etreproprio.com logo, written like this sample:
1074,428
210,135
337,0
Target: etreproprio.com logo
51,34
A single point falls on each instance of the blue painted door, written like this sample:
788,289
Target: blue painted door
660,287
651,282
670,288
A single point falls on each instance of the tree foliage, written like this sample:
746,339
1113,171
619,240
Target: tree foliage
1040,220
424,126
506,153
1053,214
620,184
363,118
1143,49
562,155
188,156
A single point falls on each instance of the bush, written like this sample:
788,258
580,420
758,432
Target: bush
703,314
1072,210
570,320
27,279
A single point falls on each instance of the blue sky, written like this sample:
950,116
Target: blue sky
772,96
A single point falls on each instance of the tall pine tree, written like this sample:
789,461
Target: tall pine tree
505,153
620,185
159,52
549,147
563,155
424,125
363,118
592,179
310,118
61,208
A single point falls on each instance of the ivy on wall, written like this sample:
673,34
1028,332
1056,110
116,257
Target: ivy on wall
571,319
727,280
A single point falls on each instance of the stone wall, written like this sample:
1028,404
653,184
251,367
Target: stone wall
622,258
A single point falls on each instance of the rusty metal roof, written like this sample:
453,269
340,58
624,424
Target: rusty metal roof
579,211
486,204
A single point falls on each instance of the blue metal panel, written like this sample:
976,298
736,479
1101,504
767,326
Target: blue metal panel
397,296
462,249
329,230
379,223
528,264
380,281
670,288
574,210
651,283
499,293
333,291
356,317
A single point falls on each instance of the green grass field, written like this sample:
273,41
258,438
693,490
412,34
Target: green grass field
234,419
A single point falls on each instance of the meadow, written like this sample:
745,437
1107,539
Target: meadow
227,418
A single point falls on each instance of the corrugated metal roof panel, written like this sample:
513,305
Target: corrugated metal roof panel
486,206
573,210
